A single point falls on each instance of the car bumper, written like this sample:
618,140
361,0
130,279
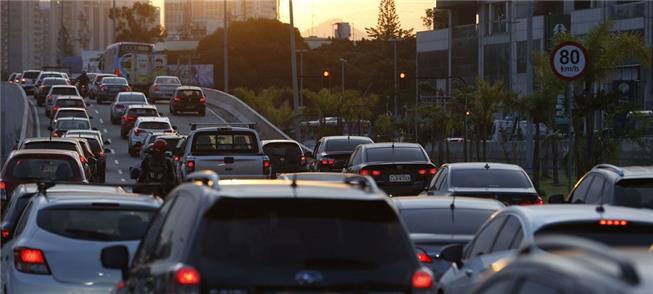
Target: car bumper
18,282
107,96
161,95
407,188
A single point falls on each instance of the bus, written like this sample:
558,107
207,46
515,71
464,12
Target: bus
134,61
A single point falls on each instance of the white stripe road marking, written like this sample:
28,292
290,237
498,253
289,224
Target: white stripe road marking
113,151
123,180
116,162
119,171
101,121
216,115
105,131
96,112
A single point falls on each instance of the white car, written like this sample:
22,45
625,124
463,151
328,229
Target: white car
143,126
124,99
58,240
70,112
56,91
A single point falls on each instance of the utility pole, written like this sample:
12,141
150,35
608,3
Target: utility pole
342,74
301,75
293,65
394,73
113,20
529,84
226,48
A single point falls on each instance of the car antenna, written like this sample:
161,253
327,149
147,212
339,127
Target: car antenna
600,209
487,166
293,184
452,207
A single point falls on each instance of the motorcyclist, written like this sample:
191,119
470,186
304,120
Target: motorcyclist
82,81
157,168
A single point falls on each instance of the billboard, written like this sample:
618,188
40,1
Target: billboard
200,75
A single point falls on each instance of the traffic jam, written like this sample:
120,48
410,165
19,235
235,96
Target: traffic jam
148,190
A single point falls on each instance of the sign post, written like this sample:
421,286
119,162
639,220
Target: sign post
569,61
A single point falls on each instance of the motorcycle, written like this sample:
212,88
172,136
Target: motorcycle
83,90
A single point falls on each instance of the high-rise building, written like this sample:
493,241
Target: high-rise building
196,18
22,30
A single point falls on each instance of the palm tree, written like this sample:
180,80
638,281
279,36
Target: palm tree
486,101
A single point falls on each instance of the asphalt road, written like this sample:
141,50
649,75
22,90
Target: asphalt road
119,161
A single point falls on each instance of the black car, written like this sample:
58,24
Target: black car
397,168
507,183
435,222
332,152
188,98
608,184
110,87
269,236
44,88
286,156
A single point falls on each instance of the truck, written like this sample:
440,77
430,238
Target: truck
233,151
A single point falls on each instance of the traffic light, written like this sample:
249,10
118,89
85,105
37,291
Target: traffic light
402,80
326,78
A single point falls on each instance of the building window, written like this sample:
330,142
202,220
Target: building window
522,56
497,18
582,4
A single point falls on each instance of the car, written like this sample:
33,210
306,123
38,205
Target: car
507,183
109,88
42,90
434,222
188,98
55,92
59,144
229,150
332,152
90,158
142,127
132,112
13,77
32,165
608,184
398,168
286,156
171,140
49,74
39,259
163,87
99,152
566,264
67,101
65,124
28,79
124,99
94,84
24,192
70,112
95,133
514,227
269,235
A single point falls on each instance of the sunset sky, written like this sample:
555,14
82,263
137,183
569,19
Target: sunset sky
360,13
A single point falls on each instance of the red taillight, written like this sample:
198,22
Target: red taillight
177,98
116,72
104,88
433,171
49,97
156,88
3,185
121,285
177,158
31,261
54,109
364,172
128,118
187,276
6,233
537,201
376,173
190,165
421,171
137,131
202,100
83,159
613,222
266,163
328,161
302,159
423,257
422,279
56,134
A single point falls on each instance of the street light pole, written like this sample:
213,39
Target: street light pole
293,65
342,74
226,48
396,109
301,75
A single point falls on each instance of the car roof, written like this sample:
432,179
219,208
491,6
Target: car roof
189,88
318,176
481,165
345,138
63,86
43,151
54,78
167,136
228,128
152,118
538,216
284,189
48,139
32,188
390,145
420,202
72,109
90,197
131,93
148,106
264,142
73,118
624,172
70,97
166,77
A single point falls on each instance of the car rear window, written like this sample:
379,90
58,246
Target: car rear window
70,113
55,82
167,81
114,81
70,103
44,168
142,112
395,154
459,221
629,235
636,193
51,145
64,91
154,125
95,224
31,74
189,93
489,178
282,149
132,98
338,145
172,143
269,238
72,125
217,143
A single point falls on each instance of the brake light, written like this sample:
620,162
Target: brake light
177,98
266,166
190,165
302,159
156,88
126,89
104,88
328,161
54,109
49,97
137,131
31,261
433,171
82,158
187,276
423,257
202,100
422,279
537,201
3,186
177,158
56,134
6,233
421,171
169,131
613,222
376,173
121,285
364,172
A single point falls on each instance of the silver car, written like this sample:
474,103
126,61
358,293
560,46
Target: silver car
163,88
143,126
58,240
123,99
56,91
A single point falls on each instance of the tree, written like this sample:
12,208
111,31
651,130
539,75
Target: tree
273,103
137,23
435,19
388,26
485,103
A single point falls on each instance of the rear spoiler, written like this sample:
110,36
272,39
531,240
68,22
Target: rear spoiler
193,126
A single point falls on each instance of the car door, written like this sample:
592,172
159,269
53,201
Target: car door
595,191
476,258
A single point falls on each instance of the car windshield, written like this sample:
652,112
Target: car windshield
114,81
142,112
270,238
51,145
631,235
171,81
395,154
73,125
154,125
44,168
636,193
218,143
344,145
96,224
70,103
64,91
489,178
132,98
445,221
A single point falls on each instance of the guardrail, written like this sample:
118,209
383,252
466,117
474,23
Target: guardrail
17,118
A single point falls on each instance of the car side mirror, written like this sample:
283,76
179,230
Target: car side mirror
174,128
94,128
90,117
557,199
116,257
107,142
452,253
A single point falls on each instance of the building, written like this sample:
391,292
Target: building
489,39
197,18
22,32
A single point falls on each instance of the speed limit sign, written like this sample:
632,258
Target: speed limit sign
569,60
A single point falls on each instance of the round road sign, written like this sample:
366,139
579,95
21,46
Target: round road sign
569,60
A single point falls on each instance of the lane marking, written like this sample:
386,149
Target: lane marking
122,180
96,112
216,115
105,131
120,171
101,121
113,151
116,162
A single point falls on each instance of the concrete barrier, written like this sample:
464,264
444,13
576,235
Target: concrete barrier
17,118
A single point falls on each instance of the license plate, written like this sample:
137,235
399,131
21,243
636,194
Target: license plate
399,178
